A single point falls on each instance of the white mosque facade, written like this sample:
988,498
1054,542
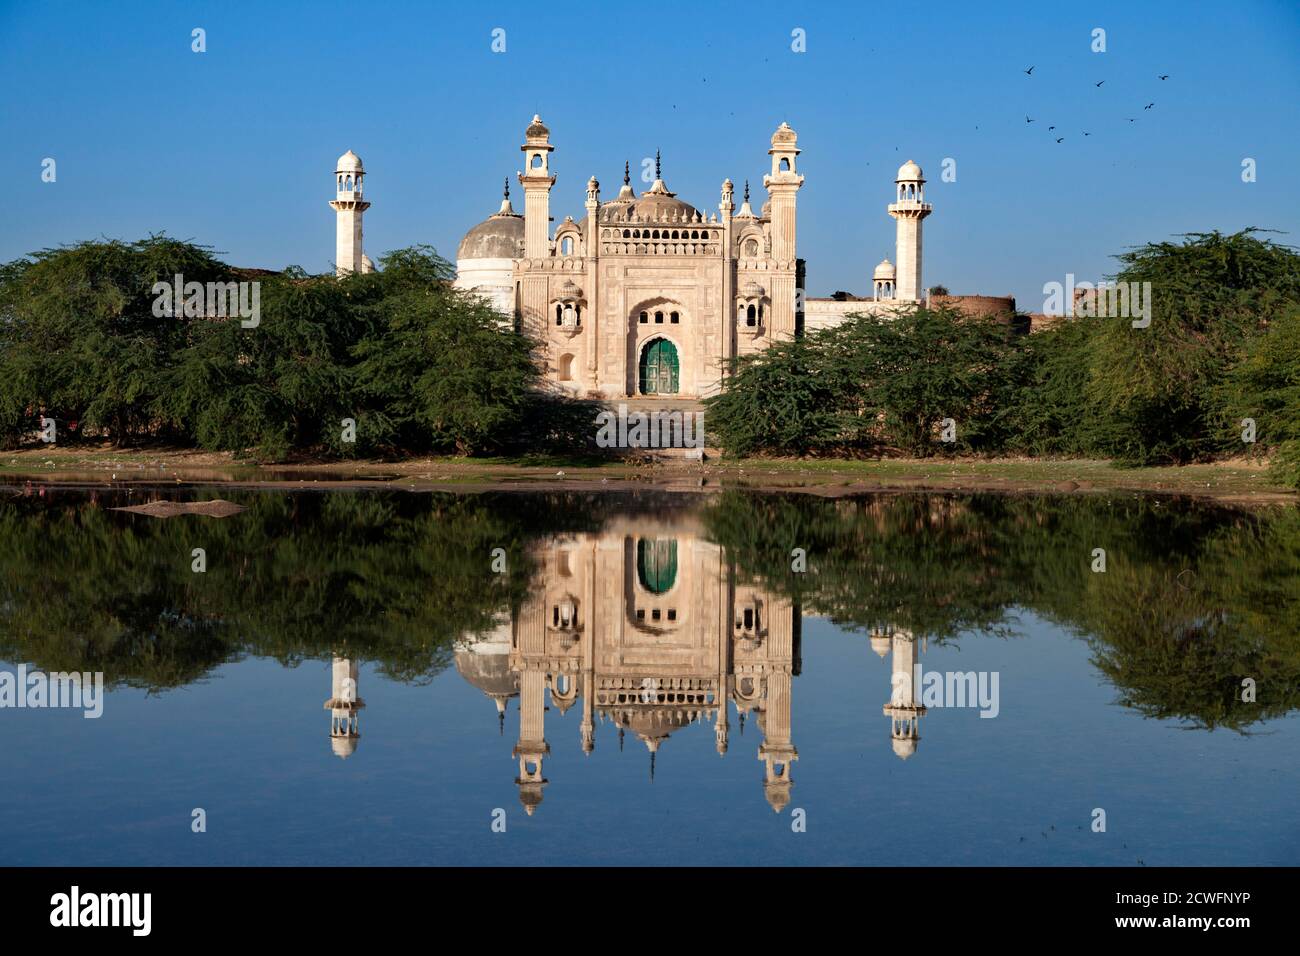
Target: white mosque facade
648,295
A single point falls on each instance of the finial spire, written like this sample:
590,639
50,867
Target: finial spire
746,190
507,192
627,175
657,175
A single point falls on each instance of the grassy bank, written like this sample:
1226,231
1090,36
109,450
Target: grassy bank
1242,481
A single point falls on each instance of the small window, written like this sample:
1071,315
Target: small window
785,165
645,317
659,318
672,614
566,246
654,615
674,318
559,314
640,614
751,316
749,619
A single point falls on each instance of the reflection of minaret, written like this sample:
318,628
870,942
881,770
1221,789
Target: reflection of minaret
344,706
903,709
777,751
531,746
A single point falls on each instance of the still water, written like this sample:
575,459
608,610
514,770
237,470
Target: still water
650,678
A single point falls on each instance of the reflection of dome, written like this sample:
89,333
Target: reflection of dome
884,271
909,172
778,794
489,672
880,644
904,746
530,795
344,747
653,724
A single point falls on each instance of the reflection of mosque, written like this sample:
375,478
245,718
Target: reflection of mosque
644,626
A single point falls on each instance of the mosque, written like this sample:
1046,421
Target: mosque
648,295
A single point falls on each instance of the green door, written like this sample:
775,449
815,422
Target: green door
659,368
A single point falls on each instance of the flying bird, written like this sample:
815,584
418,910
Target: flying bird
1086,133
1099,83
1028,120
1050,128
1030,71
1131,119
1148,106
1165,77
1061,140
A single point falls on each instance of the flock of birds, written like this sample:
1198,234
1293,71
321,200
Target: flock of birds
1061,139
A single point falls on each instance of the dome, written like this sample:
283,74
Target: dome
343,747
500,236
350,162
909,172
883,271
784,135
537,128
658,204
879,642
751,290
904,747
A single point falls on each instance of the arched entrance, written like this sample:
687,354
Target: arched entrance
659,369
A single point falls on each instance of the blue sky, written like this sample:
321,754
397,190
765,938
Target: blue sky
235,147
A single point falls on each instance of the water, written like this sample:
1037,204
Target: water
611,623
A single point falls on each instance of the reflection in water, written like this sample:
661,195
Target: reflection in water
642,626
662,620
344,706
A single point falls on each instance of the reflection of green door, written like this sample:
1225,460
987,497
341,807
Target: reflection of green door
656,564
659,368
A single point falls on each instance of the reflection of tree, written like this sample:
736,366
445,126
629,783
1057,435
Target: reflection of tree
1194,599
388,578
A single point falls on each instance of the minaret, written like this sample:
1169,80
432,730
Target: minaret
883,280
349,205
593,277
529,660
344,706
537,182
910,209
782,189
903,709
726,208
